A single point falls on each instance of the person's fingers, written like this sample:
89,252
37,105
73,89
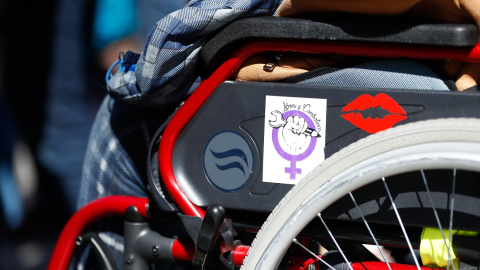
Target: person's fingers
303,125
465,75
471,7
468,76
301,121
296,119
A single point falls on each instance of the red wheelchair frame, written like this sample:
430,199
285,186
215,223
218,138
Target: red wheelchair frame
117,205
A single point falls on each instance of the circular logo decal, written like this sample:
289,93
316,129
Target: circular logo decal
228,161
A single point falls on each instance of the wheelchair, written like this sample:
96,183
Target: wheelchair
378,181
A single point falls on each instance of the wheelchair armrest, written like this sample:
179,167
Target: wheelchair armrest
371,30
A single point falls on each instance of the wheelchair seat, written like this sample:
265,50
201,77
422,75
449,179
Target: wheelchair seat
365,29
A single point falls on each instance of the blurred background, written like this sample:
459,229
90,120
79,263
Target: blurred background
53,59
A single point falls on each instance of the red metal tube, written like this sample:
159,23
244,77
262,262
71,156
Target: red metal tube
104,207
175,127
182,251
239,254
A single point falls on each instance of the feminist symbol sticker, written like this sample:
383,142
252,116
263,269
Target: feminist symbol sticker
294,138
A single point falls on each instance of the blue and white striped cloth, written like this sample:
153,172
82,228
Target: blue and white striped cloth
167,69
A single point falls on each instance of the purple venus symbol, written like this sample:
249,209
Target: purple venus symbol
293,170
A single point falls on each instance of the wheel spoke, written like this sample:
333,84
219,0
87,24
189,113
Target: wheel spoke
438,220
370,231
401,223
335,241
312,253
450,225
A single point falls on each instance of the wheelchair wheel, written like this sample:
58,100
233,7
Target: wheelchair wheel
381,191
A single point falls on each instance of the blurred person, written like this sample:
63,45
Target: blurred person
70,99
50,76
79,50
11,203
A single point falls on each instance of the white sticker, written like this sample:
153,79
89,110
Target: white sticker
294,138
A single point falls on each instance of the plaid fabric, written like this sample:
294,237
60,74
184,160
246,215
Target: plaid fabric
167,70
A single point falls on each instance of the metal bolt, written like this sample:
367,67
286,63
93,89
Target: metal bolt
156,250
312,266
79,241
129,259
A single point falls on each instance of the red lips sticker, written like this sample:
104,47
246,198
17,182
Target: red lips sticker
364,102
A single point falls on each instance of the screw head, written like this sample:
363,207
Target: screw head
156,250
312,267
129,258
79,241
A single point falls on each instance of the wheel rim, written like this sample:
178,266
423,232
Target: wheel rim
456,155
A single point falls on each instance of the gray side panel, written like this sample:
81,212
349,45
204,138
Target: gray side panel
238,110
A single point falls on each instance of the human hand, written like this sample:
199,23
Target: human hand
293,134
465,75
